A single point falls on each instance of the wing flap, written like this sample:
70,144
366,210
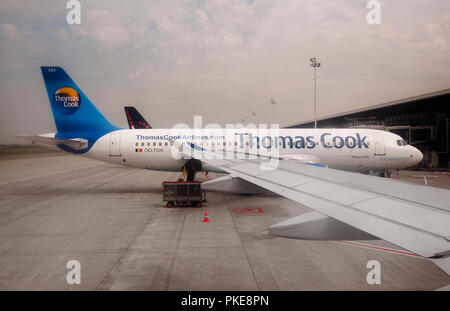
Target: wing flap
426,196
286,176
338,193
422,218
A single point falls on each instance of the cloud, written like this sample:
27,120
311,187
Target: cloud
9,32
105,28
223,58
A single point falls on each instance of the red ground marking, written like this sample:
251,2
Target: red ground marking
384,249
248,210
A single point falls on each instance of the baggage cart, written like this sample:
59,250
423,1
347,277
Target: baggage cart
183,193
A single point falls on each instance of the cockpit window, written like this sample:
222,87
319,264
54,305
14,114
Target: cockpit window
401,142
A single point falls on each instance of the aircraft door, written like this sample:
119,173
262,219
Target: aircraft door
380,148
114,144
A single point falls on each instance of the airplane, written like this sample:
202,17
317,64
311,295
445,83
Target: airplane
303,165
135,119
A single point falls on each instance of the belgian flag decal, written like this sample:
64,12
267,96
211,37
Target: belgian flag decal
138,149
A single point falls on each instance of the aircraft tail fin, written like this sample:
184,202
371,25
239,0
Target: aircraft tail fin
72,109
135,119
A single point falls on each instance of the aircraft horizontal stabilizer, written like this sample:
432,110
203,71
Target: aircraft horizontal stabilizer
74,143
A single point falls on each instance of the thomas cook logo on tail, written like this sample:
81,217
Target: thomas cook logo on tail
66,100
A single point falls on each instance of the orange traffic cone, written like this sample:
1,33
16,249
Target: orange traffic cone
206,217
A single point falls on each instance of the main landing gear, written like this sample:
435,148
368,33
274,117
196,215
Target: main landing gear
190,169
385,174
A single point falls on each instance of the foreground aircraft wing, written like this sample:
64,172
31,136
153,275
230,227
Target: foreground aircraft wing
412,216
74,143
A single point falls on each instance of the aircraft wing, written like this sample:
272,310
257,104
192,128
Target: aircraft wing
412,216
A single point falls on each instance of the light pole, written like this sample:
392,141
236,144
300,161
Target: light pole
273,102
315,64
253,116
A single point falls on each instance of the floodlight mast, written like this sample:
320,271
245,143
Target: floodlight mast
273,103
315,64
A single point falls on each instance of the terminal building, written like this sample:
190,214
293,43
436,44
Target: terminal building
423,121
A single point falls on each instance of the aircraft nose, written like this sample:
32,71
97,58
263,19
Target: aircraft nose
416,155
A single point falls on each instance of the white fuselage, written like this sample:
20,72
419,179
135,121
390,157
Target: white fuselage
349,149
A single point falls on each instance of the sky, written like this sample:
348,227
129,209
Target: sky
221,59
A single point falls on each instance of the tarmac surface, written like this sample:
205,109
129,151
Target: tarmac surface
56,207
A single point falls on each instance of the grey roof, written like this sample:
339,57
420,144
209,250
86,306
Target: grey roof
387,104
